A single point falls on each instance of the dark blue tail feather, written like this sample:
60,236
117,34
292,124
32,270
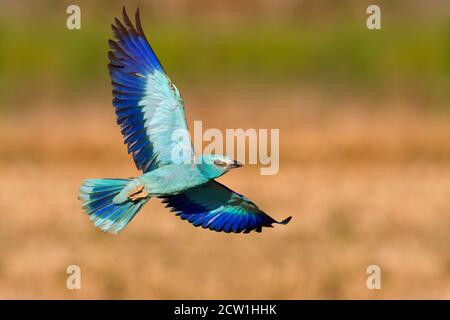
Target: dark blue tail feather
97,196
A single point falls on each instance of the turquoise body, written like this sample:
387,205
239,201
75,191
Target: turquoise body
173,179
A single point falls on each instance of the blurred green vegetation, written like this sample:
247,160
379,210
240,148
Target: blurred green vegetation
47,56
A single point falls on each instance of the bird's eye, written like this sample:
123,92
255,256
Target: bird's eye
220,163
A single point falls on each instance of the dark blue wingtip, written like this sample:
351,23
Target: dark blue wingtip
286,221
125,14
259,229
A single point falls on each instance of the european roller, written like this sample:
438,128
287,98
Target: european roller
150,113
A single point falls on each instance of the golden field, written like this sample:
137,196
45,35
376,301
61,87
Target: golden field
366,184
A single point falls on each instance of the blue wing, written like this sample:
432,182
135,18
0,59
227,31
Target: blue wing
149,108
214,206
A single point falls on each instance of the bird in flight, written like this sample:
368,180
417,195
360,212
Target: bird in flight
150,112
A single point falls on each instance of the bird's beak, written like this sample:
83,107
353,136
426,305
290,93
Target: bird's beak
235,164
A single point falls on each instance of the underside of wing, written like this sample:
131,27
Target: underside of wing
149,108
218,208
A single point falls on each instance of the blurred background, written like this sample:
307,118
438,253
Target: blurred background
364,119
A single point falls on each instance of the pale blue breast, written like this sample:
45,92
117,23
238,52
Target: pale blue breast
172,179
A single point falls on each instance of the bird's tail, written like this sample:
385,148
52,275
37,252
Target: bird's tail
97,196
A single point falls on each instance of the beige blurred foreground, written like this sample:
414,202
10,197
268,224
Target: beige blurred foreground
364,185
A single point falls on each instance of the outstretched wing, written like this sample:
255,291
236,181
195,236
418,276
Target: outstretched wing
149,108
214,206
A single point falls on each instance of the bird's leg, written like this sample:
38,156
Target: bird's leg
137,193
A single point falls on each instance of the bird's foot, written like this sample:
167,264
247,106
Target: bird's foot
137,193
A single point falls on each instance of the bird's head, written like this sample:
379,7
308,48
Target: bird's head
213,166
